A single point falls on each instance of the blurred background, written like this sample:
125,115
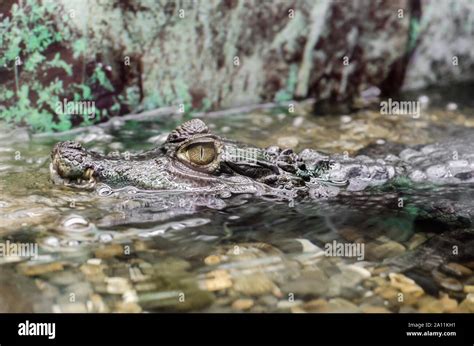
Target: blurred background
133,56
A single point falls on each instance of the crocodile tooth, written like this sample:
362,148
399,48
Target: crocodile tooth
88,173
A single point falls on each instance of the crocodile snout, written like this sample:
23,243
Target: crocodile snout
69,162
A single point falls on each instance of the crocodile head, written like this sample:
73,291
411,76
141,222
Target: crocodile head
192,158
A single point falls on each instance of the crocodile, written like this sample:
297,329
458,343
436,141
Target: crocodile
194,165
194,159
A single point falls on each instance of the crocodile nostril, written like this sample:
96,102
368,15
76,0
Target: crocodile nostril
68,159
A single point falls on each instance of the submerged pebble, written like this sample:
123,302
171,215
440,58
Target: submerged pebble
456,269
254,285
242,304
183,256
33,269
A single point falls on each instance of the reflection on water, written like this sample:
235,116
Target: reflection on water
129,251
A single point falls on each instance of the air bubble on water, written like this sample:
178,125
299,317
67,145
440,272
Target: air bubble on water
73,243
51,241
75,221
104,190
76,224
105,237
131,190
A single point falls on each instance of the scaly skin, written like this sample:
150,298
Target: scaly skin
236,167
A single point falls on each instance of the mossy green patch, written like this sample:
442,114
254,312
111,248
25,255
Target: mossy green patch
28,44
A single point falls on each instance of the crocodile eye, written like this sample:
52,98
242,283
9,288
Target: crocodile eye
201,153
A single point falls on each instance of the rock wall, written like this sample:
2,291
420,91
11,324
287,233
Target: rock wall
215,54
444,50
219,54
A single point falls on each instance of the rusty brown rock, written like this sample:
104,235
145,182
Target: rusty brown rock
249,52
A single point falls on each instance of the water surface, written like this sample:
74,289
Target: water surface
126,251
